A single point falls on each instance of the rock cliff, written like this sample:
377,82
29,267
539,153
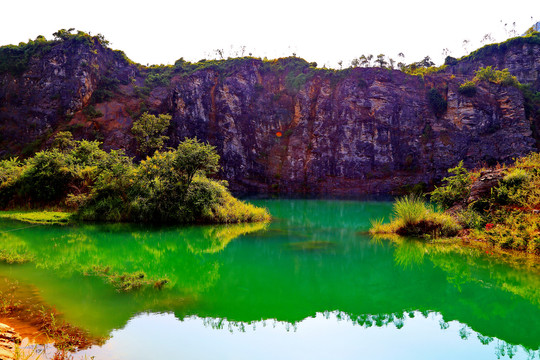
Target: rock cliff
280,126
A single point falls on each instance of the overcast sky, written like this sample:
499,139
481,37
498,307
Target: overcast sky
161,31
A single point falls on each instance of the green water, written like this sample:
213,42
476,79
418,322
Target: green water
312,284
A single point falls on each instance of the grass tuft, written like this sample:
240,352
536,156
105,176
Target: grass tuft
413,217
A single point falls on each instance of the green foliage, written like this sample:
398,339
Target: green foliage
126,282
63,141
456,188
105,90
10,172
422,67
159,75
168,187
436,102
295,81
410,209
508,217
468,89
149,132
472,219
15,59
91,112
46,176
502,77
194,157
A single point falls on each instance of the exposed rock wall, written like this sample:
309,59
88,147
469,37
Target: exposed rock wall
373,131
358,131
521,59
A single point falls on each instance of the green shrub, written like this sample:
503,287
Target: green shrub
456,188
512,189
467,89
437,102
502,77
91,112
472,219
486,74
149,132
46,176
10,172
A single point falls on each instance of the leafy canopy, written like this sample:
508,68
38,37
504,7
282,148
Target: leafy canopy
149,131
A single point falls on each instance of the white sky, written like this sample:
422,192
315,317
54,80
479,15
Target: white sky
161,31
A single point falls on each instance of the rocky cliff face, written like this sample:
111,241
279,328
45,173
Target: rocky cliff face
282,126
522,59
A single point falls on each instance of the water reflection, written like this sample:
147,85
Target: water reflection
315,260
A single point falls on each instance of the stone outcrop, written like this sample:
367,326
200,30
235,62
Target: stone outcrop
522,59
282,126
8,341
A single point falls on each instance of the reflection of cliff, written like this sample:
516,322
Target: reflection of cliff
263,276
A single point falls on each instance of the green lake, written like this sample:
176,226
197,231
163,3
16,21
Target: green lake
312,284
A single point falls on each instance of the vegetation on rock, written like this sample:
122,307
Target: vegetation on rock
149,132
499,206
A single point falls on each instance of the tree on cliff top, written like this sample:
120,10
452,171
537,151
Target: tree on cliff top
149,132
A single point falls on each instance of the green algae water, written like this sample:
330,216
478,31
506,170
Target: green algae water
310,285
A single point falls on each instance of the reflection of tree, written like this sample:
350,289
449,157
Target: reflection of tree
216,238
173,253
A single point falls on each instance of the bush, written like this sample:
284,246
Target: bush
467,89
149,132
45,177
437,102
168,187
502,77
456,189
471,219
10,172
512,188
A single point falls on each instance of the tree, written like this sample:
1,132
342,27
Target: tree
192,157
63,141
381,60
149,132
365,61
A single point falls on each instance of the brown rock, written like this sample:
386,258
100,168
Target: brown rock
8,340
481,188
